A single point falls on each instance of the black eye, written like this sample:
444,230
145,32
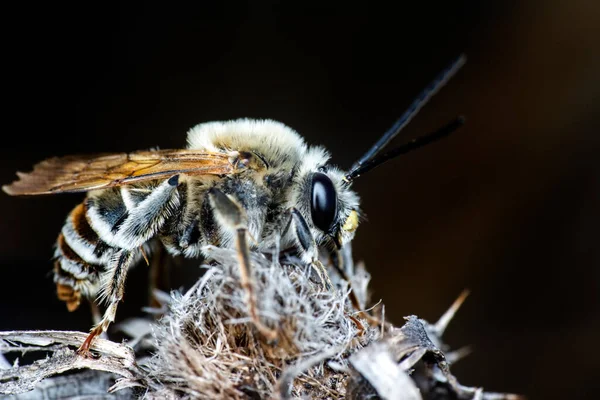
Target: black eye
323,201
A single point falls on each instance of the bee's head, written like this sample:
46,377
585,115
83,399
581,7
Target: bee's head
324,198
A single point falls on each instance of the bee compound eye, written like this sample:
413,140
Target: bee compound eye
323,201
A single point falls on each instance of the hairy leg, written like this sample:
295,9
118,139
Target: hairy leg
113,289
232,216
308,247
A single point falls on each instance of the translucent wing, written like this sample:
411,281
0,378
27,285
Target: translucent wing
88,172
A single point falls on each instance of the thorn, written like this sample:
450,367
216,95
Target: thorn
478,394
382,320
441,325
459,354
481,395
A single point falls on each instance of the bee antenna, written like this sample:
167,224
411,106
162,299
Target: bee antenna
408,147
408,115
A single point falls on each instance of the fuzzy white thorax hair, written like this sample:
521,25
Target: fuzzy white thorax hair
271,139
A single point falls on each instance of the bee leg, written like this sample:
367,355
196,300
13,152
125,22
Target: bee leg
308,247
310,251
97,316
113,292
232,216
139,224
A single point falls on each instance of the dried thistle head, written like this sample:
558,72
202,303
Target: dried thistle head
206,345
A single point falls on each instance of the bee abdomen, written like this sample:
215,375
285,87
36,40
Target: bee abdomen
83,240
79,254
71,262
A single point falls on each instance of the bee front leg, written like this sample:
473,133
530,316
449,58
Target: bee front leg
307,246
232,216
309,250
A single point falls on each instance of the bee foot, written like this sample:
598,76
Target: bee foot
87,354
84,349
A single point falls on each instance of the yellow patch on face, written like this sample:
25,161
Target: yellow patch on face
351,222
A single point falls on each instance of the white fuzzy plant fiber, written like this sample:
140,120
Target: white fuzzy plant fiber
207,347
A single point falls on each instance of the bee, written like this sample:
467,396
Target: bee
245,184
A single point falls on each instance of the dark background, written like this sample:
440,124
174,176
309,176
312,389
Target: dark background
508,207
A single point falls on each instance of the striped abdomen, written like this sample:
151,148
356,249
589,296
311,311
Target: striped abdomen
79,254
99,230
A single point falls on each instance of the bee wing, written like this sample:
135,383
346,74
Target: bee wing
88,172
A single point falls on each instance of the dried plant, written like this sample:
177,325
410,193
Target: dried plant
205,346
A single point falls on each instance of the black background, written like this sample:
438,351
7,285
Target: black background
508,207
